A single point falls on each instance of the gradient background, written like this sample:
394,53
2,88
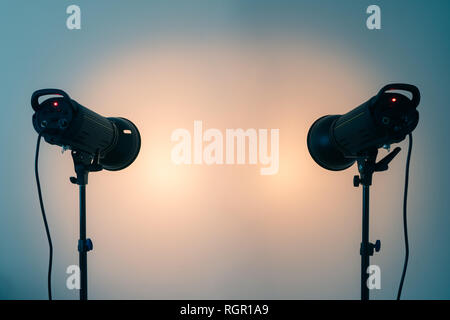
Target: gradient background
222,232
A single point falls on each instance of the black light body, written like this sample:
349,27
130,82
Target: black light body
64,122
336,141
96,142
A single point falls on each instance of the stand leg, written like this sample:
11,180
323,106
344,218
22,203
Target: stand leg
365,245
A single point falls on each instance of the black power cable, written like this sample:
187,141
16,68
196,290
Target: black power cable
38,184
405,223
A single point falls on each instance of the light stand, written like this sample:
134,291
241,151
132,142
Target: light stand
366,167
84,163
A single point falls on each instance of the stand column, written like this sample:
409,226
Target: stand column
366,168
365,245
367,165
83,166
82,244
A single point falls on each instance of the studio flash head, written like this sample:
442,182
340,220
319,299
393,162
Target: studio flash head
115,142
335,142
96,142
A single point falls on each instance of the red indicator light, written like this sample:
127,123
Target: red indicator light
394,99
55,104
